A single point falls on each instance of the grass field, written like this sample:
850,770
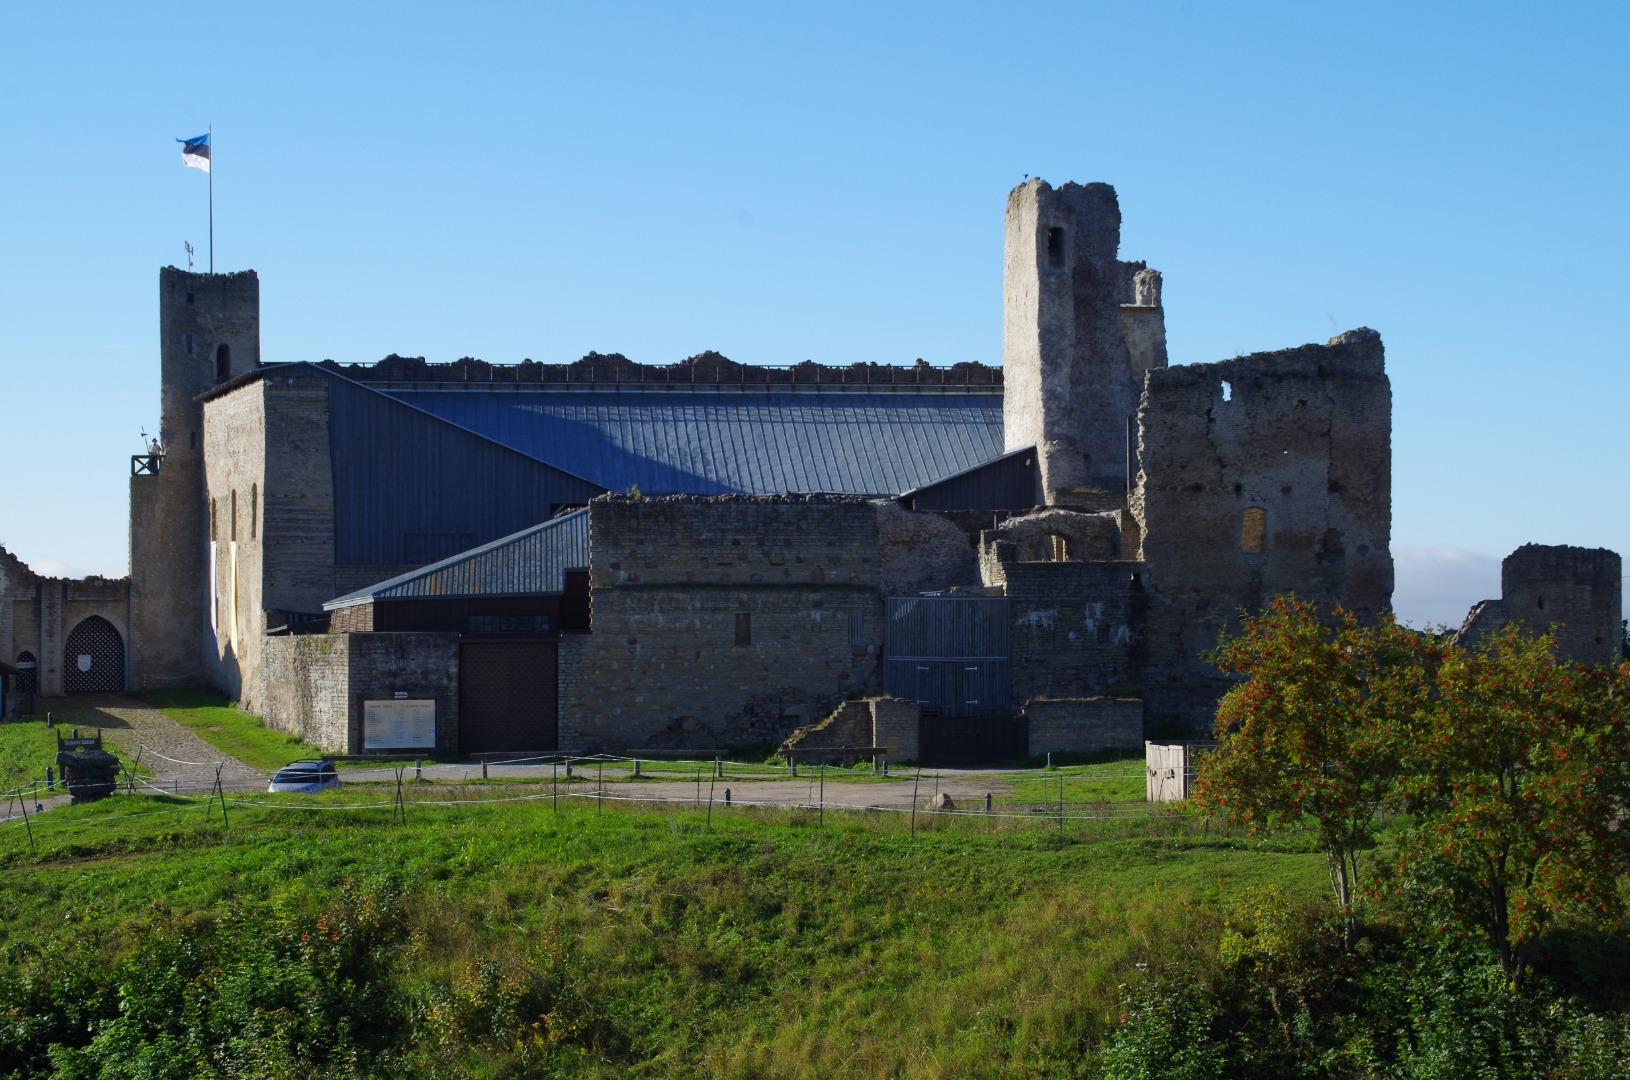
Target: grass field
227,728
27,748
519,939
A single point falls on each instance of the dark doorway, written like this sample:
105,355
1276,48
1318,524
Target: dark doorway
969,740
93,660
28,678
507,696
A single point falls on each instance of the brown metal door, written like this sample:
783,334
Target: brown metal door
507,696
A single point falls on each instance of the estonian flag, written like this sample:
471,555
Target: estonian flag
195,152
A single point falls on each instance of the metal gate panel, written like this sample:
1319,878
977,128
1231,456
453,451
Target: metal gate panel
949,654
93,658
508,696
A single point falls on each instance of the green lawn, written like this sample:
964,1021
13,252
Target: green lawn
241,734
27,748
519,939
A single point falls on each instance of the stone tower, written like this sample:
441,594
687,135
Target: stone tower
209,332
1079,329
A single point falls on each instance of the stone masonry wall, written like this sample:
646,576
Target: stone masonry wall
721,621
896,727
306,688
313,685
234,491
1577,590
1077,627
1071,381
1084,725
1264,474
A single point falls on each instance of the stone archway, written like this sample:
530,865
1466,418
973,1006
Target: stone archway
93,659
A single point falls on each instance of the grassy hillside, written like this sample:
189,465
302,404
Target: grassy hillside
319,936
514,939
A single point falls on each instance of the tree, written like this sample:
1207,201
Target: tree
1519,793
1316,731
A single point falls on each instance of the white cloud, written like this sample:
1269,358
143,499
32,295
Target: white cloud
1438,585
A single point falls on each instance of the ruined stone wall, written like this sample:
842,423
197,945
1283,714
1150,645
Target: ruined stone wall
1071,379
1260,475
896,727
199,315
701,369
923,551
1577,591
1084,725
721,621
313,685
37,614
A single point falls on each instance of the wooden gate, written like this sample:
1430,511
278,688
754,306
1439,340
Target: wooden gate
507,696
93,659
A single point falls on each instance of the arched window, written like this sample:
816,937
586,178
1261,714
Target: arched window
254,508
234,512
1253,532
223,362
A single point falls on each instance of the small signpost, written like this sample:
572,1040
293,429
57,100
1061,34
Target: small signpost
88,771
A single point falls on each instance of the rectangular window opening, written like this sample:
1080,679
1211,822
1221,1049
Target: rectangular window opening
1055,247
1253,533
744,628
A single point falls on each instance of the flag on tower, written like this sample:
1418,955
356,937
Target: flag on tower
195,152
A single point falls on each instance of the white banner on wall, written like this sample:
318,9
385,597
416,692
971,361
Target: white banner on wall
399,725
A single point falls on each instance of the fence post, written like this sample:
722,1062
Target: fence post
914,782
483,768
636,768
727,796
987,802
718,766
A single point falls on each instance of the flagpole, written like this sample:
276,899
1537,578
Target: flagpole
212,198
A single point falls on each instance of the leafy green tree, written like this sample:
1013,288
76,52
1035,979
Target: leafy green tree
1519,793
1318,728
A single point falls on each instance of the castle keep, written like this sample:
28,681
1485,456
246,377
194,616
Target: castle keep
606,555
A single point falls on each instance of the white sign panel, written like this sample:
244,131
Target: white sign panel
399,725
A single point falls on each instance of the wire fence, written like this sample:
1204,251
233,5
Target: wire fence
583,778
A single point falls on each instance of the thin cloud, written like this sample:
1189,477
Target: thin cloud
1438,585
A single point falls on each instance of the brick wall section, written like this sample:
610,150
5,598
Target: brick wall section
895,727
850,724
671,580
1084,725
314,684
1304,438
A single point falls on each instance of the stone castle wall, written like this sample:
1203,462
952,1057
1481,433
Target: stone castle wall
1578,592
1265,474
1084,725
315,684
721,621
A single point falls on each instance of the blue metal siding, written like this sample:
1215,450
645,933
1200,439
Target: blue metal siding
530,562
751,441
409,487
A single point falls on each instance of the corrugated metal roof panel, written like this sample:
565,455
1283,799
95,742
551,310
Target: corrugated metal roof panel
754,441
529,562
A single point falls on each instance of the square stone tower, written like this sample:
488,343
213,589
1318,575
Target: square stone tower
1079,329
209,332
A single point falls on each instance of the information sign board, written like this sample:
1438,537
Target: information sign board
399,725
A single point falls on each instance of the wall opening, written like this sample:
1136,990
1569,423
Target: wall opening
1253,533
1227,390
254,508
1055,247
223,363
214,519
1058,548
28,667
744,628
233,511
93,658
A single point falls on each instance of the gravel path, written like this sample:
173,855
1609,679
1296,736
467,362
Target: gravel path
174,756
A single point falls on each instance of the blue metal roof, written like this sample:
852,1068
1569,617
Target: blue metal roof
529,562
750,441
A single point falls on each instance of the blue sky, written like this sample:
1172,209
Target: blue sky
826,182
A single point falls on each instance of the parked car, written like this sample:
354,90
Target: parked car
306,776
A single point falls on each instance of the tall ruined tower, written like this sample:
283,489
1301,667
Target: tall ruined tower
1079,329
209,332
